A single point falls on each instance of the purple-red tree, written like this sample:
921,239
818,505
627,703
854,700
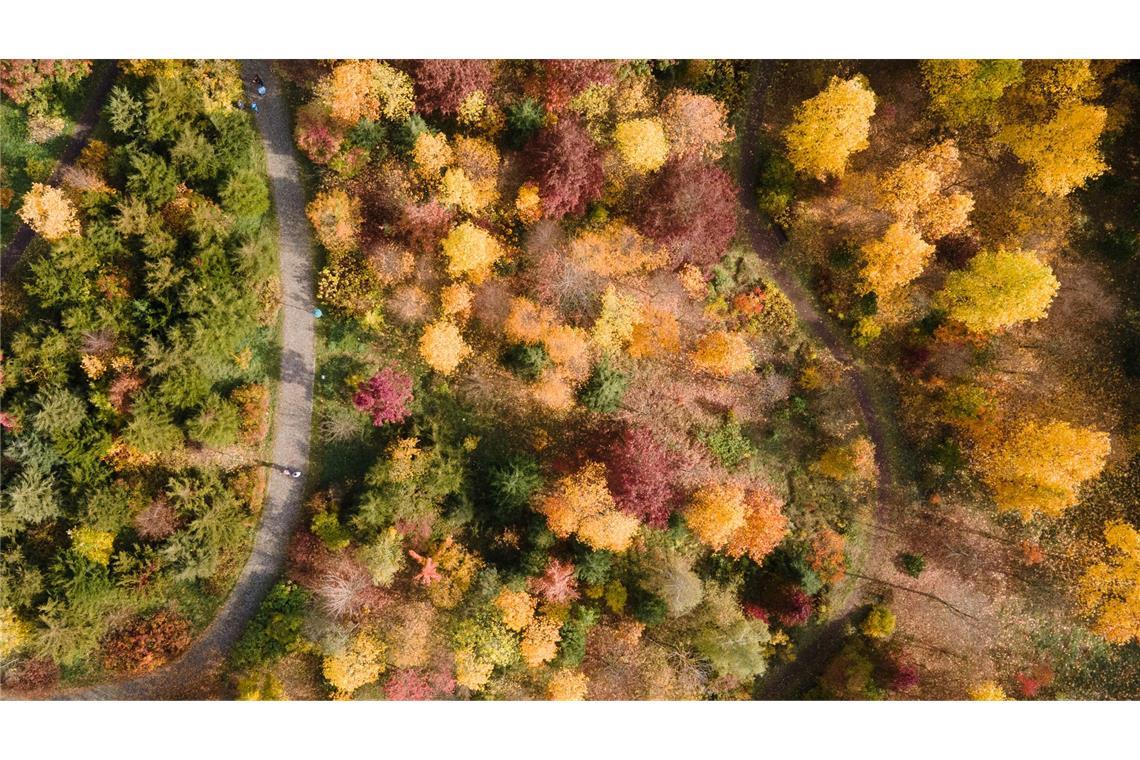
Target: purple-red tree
423,225
386,396
563,79
691,208
442,84
568,167
638,469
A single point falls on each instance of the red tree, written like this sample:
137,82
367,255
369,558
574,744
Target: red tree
145,643
568,166
563,79
638,469
691,207
423,225
558,583
441,85
386,396
20,78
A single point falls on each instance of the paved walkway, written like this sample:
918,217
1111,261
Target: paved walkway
75,145
196,670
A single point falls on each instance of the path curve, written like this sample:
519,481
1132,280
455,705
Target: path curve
191,675
75,145
817,648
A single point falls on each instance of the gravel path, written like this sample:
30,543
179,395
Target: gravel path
196,670
75,144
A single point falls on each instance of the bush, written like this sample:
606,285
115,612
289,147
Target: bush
728,443
912,564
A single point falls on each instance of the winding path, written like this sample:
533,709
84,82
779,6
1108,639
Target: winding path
196,670
75,145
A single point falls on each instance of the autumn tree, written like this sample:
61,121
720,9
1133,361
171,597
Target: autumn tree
639,470
914,192
1038,467
895,259
567,685
385,396
829,127
695,125
1110,590
642,144
364,89
691,208
582,504
443,84
999,289
21,80
563,79
967,92
336,218
567,166
715,512
763,529
723,353
442,347
1062,153
48,211
471,252
360,662
617,249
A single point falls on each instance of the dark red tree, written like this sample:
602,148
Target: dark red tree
442,84
568,167
691,208
638,469
30,675
563,79
386,396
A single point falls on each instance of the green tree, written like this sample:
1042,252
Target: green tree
603,391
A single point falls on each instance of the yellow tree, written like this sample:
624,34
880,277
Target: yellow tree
913,191
48,211
895,259
1110,590
360,662
581,503
539,643
431,154
999,289
828,128
471,251
363,89
988,691
442,347
614,325
1038,468
1062,153
657,333
336,218
616,250
642,144
516,607
567,685
723,353
715,512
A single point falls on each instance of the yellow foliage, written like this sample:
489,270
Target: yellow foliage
471,671
614,326
998,290
540,642
528,203
894,259
336,218
988,691
471,109
49,213
1062,153
763,529
880,623
829,127
471,251
616,596
431,154
1110,591
657,333
363,89
617,250
723,353
642,144
14,632
610,530
455,300
569,349
693,281
853,460
442,347
567,685
516,607
406,462
552,391
361,662
715,512
581,503
1038,468
458,567
93,366
526,322
94,545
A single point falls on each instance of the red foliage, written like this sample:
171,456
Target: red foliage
563,79
901,675
316,134
123,387
638,469
145,643
20,78
792,606
423,225
690,207
1037,678
442,84
568,168
558,583
386,396
408,685
755,612
30,675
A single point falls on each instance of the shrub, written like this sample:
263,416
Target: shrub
912,564
145,643
728,443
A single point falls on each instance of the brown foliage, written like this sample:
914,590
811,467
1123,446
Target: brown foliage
145,643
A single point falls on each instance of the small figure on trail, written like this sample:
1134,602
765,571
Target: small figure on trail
317,313
259,85
253,107
293,473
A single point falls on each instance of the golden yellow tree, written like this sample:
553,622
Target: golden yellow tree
914,191
336,218
1037,469
614,325
471,251
431,154
829,127
657,333
1063,152
526,322
1110,590
581,503
715,512
360,662
999,289
723,353
616,250
516,607
642,144
539,643
895,259
567,685
965,92
48,211
988,691
363,89
442,346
